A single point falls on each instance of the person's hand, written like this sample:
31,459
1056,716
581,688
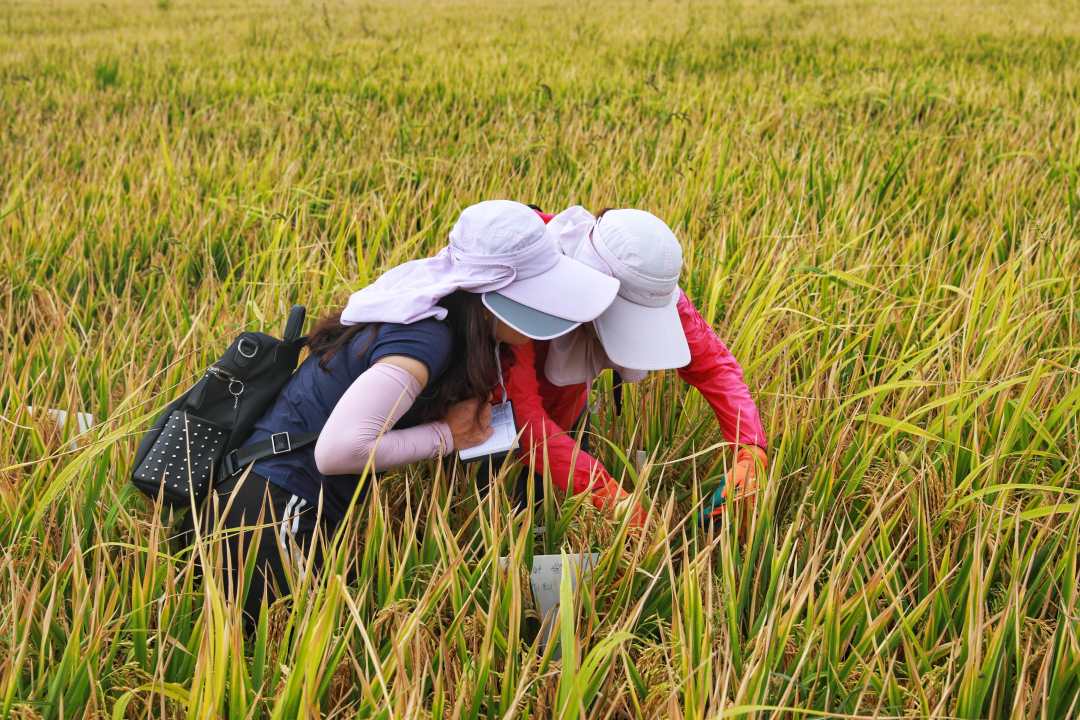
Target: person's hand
469,422
740,484
610,497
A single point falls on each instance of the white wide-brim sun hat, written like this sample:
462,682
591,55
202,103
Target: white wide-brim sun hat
553,303
641,337
499,249
641,329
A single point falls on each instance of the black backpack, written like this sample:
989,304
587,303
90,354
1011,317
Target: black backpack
196,442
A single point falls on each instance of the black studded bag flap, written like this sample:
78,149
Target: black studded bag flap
183,460
180,457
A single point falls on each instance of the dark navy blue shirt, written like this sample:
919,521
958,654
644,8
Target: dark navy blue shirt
311,394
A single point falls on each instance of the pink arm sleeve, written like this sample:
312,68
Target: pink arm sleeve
716,374
358,430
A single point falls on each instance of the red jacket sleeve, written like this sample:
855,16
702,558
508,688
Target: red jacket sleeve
540,433
716,374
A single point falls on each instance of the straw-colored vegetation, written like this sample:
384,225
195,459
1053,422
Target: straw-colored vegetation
880,208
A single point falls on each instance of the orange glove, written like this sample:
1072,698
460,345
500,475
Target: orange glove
611,497
741,480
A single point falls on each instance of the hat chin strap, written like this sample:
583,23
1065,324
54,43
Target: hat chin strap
587,254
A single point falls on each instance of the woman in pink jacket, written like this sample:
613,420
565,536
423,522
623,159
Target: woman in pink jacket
652,325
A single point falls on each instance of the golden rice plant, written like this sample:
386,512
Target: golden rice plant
880,209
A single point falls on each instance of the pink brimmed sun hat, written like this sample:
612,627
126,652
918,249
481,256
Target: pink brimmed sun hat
498,248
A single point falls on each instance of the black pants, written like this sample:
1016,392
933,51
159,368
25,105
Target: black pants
257,521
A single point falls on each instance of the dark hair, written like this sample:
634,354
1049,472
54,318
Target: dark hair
471,373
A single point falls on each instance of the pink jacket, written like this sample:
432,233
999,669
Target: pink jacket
544,412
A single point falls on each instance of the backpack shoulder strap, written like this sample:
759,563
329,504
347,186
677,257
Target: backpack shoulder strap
295,324
278,444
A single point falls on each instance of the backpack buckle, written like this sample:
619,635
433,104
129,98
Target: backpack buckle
274,443
231,462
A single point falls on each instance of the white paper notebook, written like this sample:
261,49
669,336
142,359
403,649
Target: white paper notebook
503,440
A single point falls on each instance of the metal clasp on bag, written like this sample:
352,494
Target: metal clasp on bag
236,389
247,353
236,385
274,443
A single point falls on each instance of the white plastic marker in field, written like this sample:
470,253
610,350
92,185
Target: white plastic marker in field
83,422
545,577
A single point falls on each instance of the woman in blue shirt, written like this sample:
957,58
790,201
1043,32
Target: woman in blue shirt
403,373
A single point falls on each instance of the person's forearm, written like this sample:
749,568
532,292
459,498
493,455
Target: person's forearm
358,433
715,372
542,441
542,438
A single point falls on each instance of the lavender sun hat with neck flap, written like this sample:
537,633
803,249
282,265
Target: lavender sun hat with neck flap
498,248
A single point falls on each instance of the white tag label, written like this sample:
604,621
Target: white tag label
83,422
503,440
545,579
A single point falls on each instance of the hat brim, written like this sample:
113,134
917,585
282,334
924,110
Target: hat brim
570,290
526,320
643,338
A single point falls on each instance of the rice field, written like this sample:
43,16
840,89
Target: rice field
880,211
